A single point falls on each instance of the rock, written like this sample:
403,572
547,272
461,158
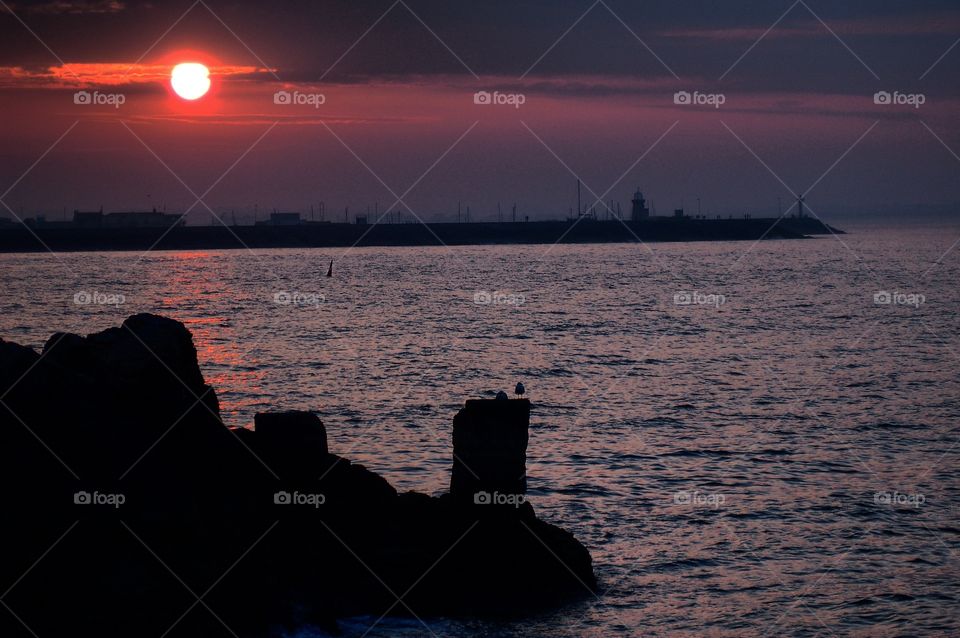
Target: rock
106,433
490,451
153,353
15,361
294,440
292,431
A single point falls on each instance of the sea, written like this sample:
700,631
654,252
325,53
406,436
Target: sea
751,438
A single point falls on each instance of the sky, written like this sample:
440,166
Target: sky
735,104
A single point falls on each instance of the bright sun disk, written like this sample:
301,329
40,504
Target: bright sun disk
190,80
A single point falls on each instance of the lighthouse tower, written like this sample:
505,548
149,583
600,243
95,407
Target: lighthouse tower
640,210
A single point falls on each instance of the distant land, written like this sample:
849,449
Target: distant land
67,237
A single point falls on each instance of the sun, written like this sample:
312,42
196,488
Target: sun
190,80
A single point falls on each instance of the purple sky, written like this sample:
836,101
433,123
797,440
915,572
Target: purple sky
597,80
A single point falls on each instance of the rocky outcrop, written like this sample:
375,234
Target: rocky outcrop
123,481
490,451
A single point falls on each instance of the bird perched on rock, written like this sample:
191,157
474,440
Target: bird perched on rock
520,390
502,396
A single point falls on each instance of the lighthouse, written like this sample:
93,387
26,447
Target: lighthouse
640,210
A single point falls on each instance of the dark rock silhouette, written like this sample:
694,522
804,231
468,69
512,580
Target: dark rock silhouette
132,510
292,440
490,450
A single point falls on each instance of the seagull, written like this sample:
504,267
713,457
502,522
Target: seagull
520,390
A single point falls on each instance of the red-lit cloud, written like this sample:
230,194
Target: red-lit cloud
92,75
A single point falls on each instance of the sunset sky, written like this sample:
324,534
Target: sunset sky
398,81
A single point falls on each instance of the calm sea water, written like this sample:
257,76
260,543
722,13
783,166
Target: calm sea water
778,457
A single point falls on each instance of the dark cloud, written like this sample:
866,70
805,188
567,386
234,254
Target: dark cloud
349,40
70,7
